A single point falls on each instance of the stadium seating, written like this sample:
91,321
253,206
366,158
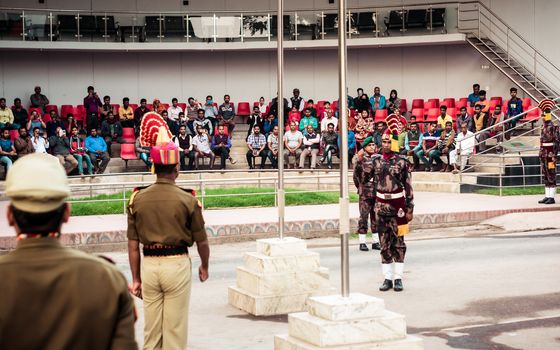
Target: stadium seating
243,109
128,152
128,135
432,114
14,134
182,105
65,109
49,108
380,115
417,103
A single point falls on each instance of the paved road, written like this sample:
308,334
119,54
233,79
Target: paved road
492,292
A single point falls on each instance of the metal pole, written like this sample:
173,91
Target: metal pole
280,101
344,223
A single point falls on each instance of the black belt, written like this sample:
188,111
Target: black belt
162,250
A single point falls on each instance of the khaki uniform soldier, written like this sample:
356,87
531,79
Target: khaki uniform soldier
550,145
53,297
166,220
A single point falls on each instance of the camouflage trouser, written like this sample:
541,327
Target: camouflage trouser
393,247
366,206
549,175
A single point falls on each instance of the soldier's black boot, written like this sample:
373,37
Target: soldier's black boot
550,201
544,200
376,246
363,247
387,284
398,286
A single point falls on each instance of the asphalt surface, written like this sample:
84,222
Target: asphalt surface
499,291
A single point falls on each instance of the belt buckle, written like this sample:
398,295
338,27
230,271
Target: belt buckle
387,196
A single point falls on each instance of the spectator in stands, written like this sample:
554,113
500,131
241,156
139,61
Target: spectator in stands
311,143
328,119
226,114
465,118
97,150
143,153
23,143
256,142
394,101
296,101
40,141
474,97
483,102
349,100
413,144
329,141
60,147
402,139
359,93
211,112
480,120
351,146
79,152
294,116
171,124
429,146
446,144
174,110
92,104
307,120
6,116
377,101
311,107
443,117
182,120
54,123
184,142
192,114
139,113
111,130
274,107
106,108
272,142
378,133
255,119
71,123
39,100
203,122
498,129
263,107
20,113
201,146
157,106
364,127
292,142
363,104
465,147
126,114
8,153
221,145
514,109
270,122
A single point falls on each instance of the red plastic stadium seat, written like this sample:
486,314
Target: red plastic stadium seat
494,103
433,114
36,109
433,100
431,104
334,106
461,103
452,112
533,114
226,131
418,113
449,103
128,152
14,134
165,105
320,105
47,117
128,135
65,109
80,113
182,105
380,115
496,98
150,106
417,103
470,110
404,108
244,109
527,103
115,108
49,108
133,105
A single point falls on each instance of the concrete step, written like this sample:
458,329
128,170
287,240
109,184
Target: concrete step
428,186
434,176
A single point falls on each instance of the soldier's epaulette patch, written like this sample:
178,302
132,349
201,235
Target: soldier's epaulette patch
189,191
135,191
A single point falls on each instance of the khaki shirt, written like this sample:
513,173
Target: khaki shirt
126,114
55,297
164,213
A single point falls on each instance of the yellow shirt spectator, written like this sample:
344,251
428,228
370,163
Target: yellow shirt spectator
126,113
6,116
441,121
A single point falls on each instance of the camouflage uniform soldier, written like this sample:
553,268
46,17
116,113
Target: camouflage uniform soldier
550,144
366,191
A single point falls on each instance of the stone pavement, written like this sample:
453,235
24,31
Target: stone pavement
431,210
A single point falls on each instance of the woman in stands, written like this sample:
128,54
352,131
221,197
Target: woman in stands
363,103
71,123
157,106
394,101
364,127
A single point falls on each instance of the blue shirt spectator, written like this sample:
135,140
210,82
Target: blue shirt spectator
377,100
95,143
269,124
474,97
351,141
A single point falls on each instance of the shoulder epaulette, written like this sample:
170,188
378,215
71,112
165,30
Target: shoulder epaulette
189,191
135,191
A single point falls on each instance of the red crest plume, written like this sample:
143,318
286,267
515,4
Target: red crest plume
547,104
394,124
150,129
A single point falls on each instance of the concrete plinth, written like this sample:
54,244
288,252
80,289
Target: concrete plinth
359,322
278,278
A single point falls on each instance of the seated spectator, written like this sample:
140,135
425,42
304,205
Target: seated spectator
413,144
351,146
394,101
39,100
139,113
359,93
174,110
182,120
463,117
498,129
293,140
106,108
23,143
256,142
272,142
97,150
483,102
79,152
171,124
429,147
443,118
126,114
210,111
263,106
378,133
157,106
377,101
6,117
54,123
294,115
221,145
311,142
92,104
20,113
184,143
71,123
192,108
474,97
363,103
418,124
270,122
112,131
465,147
8,154
365,127
311,107
255,119
401,140
296,101
480,120
226,114
39,141
201,147
514,109
446,144
328,119
326,109
307,120
143,153
329,142
203,122
274,107
60,147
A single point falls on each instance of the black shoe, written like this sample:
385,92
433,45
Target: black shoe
398,286
376,246
550,201
544,200
387,284
363,247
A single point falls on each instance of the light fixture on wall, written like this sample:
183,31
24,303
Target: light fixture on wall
331,1
185,2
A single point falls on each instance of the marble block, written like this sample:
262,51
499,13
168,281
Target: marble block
285,342
260,263
338,308
322,333
281,247
282,283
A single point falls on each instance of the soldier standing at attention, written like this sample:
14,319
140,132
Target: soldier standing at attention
550,144
366,191
167,220
55,297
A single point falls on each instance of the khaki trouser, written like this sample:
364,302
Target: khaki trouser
308,152
166,289
68,162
